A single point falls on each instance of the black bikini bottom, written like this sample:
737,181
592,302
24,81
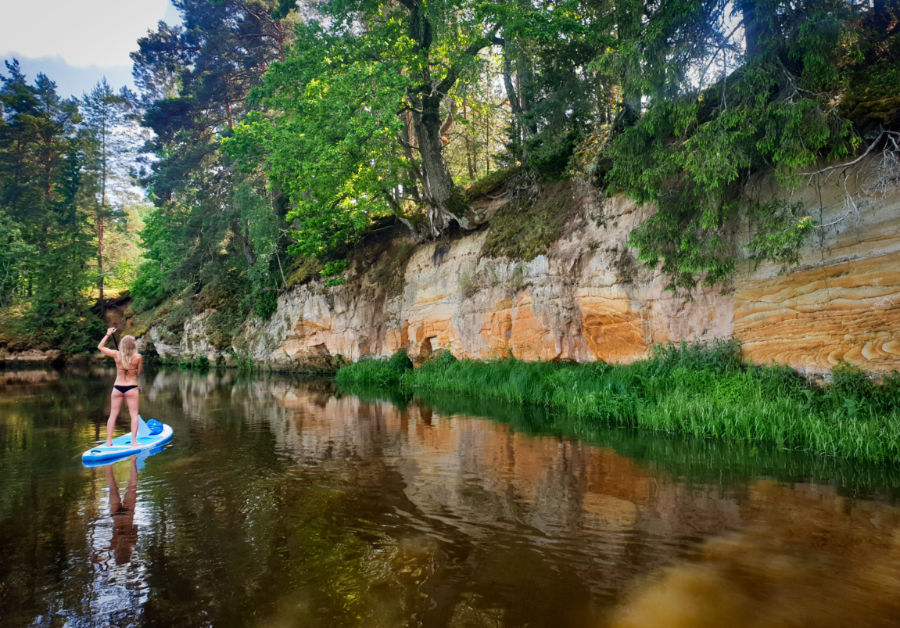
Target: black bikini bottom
123,389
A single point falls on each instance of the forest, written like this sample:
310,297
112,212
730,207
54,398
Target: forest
273,136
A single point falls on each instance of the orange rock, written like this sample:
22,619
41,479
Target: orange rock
812,319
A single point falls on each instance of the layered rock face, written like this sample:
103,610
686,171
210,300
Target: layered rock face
588,299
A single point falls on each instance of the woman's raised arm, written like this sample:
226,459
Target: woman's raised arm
102,346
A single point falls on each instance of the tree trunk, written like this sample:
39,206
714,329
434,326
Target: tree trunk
470,160
101,215
515,100
100,241
752,28
412,174
444,201
248,253
629,17
436,180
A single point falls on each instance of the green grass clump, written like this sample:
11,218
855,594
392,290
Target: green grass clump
376,371
702,389
195,363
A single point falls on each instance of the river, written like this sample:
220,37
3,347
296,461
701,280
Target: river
285,502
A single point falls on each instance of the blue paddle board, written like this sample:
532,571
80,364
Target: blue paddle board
122,447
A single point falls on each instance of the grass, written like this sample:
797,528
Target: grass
702,390
375,372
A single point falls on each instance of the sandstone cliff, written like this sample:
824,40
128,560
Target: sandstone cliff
588,299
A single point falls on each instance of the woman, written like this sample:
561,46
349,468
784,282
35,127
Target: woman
129,364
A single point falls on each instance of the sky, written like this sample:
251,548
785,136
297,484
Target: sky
78,42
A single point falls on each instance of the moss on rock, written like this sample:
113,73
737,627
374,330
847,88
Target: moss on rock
525,228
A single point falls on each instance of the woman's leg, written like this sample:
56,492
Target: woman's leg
131,398
115,403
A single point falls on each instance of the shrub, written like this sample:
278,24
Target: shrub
376,371
719,356
400,361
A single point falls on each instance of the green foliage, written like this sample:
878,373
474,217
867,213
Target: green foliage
699,389
331,99
717,356
244,363
302,270
109,142
850,382
197,363
440,359
15,253
376,371
689,154
489,183
872,72
147,289
400,361
263,229
265,304
173,314
779,230
46,237
221,327
64,326
348,124
213,226
333,269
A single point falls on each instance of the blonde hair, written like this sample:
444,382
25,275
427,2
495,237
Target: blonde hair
127,351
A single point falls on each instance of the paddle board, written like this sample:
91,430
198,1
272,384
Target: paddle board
121,445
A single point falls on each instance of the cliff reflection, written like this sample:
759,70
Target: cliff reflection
483,509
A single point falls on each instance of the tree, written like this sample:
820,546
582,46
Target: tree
109,144
195,79
40,175
689,153
15,253
373,109
367,96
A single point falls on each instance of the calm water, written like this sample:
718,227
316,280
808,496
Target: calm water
281,502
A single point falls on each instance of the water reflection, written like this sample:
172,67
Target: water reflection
284,502
806,557
117,588
124,532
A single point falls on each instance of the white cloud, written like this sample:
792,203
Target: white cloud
83,32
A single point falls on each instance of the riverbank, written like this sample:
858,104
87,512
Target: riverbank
704,390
